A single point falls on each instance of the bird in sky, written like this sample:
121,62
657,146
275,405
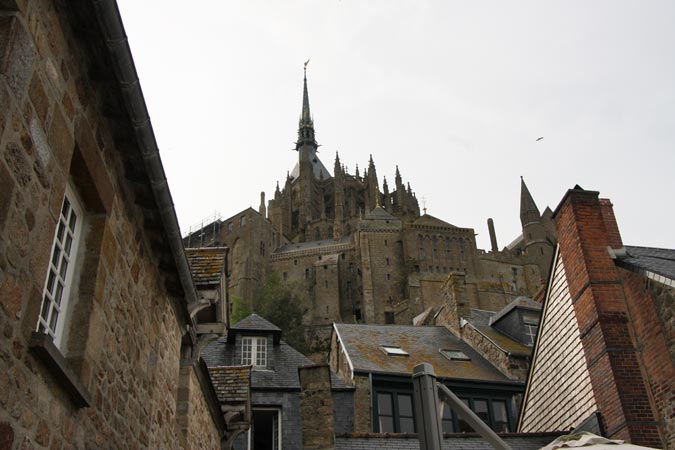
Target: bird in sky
539,138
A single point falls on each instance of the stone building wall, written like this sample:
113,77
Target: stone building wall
123,337
201,431
513,367
291,422
382,265
362,404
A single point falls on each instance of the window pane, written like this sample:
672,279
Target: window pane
66,207
261,352
69,243
384,404
59,235
501,421
405,407
407,425
463,426
73,221
55,256
52,320
59,293
386,424
246,351
480,407
64,268
45,307
50,282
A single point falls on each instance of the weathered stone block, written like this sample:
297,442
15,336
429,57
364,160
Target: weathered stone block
17,53
61,140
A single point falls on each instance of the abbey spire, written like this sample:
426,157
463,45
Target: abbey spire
528,208
306,124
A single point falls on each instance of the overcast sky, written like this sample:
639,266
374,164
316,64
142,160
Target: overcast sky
453,92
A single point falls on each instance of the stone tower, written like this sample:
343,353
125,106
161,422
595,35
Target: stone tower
538,231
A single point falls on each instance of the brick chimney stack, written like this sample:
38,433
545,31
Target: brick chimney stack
586,228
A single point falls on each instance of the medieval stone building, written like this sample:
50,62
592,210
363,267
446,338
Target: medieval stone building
365,254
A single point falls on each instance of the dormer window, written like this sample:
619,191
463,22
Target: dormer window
454,355
393,350
254,351
530,327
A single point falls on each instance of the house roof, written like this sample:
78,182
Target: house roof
310,245
232,384
207,265
255,323
429,220
379,213
284,375
423,344
504,342
519,302
655,263
464,441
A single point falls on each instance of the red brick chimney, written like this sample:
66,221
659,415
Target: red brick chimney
586,228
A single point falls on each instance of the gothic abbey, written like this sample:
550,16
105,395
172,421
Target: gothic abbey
367,255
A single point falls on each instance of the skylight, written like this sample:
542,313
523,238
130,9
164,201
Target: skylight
393,350
454,355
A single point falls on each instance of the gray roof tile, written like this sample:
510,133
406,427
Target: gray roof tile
363,345
284,375
659,261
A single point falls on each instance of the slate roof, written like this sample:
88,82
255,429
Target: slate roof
429,220
379,213
286,359
655,263
467,441
207,265
310,245
504,342
483,321
232,384
255,323
363,345
519,302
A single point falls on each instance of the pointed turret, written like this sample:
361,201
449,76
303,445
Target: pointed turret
373,185
528,208
397,178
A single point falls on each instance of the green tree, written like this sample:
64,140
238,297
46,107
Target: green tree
281,303
240,309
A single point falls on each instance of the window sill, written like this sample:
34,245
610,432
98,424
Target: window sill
43,348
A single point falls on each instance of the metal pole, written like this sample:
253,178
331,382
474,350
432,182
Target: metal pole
427,417
471,418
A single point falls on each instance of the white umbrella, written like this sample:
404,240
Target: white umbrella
591,442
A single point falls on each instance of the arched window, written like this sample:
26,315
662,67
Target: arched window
420,244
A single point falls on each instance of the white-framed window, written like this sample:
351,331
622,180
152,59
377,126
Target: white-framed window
393,350
265,431
454,355
59,281
254,351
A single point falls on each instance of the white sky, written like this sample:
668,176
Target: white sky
454,92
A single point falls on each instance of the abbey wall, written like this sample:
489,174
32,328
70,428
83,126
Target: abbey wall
365,254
